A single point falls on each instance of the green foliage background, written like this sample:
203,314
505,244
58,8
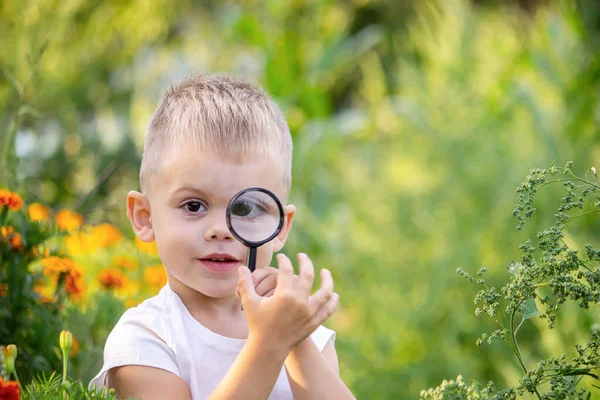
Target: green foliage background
413,121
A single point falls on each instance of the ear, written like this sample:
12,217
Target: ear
288,217
138,212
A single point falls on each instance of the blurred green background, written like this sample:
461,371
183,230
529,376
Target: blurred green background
413,121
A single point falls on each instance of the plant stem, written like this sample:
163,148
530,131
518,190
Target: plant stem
581,215
17,379
517,350
65,355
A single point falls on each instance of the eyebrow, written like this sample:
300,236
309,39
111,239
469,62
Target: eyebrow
186,188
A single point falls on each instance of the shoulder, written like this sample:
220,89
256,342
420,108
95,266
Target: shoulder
141,337
147,319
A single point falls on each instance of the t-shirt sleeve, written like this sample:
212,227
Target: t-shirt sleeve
321,336
139,338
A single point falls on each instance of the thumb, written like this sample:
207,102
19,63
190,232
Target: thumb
246,287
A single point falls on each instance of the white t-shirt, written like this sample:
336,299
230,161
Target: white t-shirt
161,333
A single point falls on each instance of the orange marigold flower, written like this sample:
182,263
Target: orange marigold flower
16,242
6,230
15,202
68,220
127,263
155,276
106,235
13,238
38,212
75,286
148,248
11,200
55,266
112,278
4,197
75,348
9,390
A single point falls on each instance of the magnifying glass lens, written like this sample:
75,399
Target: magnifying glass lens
255,216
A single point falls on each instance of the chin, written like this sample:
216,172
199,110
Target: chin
217,291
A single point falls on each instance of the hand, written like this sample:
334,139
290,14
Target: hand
291,314
265,281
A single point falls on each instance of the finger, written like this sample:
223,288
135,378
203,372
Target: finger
266,285
261,273
246,287
306,274
285,277
269,293
327,310
325,292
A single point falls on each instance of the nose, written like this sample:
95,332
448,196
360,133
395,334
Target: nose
217,229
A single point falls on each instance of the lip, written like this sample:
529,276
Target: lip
220,266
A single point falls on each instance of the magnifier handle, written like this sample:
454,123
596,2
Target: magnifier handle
252,259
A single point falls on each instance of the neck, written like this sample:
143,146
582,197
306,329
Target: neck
221,315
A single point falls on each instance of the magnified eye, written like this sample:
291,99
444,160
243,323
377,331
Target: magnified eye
194,206
246,208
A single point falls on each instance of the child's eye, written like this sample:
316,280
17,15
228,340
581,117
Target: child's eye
194,207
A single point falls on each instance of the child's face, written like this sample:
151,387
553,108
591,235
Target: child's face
184,212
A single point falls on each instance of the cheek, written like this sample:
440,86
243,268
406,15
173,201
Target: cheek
175,235
264,255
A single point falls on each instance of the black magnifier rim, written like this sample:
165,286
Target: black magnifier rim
240,194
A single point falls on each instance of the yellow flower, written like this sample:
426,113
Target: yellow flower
9,354
68,220
155,276
148,248
80,243
65,341
38,212
131,303
111,278
127,263
45,292
106,235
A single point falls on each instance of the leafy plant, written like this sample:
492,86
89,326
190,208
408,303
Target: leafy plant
29,320
550,273
51,387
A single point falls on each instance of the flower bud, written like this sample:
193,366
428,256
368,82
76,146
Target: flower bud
9,354
66,341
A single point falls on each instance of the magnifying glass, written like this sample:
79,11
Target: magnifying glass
254,217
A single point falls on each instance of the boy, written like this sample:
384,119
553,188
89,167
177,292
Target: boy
209,138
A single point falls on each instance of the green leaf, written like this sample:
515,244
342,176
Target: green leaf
552,164
13,81
530,309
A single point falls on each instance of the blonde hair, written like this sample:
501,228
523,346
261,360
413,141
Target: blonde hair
218,115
